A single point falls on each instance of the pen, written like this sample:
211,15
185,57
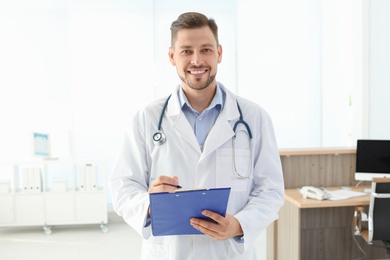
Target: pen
176,186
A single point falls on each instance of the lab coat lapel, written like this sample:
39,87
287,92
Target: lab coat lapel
179,121
222,130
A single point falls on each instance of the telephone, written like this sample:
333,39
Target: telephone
312,192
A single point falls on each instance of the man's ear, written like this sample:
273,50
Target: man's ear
219,53
171,55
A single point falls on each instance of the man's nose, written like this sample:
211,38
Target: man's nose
197,59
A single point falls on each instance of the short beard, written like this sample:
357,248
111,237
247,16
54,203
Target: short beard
205,85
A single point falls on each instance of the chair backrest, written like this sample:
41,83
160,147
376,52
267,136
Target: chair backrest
379,210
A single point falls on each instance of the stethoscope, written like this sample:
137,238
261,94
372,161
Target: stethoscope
159,138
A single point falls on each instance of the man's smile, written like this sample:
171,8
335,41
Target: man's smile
197,72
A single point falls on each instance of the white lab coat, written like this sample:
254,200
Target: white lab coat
255,202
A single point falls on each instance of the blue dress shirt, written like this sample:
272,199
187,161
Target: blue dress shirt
202,123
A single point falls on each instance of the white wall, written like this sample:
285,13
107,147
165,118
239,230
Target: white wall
84,67
279,65
110,56
80,69
303,61
379,64
342,45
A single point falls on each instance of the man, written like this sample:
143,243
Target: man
191,139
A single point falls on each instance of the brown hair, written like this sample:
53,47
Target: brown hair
192,20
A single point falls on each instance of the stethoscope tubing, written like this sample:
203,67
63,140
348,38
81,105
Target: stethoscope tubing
162,113
159,138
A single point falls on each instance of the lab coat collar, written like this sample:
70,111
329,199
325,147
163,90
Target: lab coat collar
230,106
219,134
218,100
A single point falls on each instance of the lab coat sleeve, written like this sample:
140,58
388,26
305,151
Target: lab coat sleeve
267,194
128,179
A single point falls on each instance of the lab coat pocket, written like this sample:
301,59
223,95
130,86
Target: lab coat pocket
233,174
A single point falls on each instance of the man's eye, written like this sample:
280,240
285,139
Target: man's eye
185,52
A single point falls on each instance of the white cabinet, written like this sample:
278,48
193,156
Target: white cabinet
88,207
29,209
7,209
53,192
60,207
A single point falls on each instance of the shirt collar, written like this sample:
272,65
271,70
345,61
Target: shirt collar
217,102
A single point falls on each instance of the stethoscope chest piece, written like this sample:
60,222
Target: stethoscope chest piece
158,138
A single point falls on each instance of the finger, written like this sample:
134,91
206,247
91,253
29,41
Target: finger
204,224
209,232
163,179
162,184
162,188
221,225
214,216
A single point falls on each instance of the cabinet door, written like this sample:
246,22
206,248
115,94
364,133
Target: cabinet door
59,207
91,207
29,209
7,212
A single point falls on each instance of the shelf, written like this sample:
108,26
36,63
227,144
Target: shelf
53,192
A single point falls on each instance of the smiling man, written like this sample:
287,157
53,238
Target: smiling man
196,53
201,136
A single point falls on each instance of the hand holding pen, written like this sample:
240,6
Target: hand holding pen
164,184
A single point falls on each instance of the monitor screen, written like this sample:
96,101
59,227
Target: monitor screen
372,159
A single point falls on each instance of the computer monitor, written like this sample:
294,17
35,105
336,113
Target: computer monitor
372,159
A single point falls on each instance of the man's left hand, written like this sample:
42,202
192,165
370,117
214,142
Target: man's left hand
224,228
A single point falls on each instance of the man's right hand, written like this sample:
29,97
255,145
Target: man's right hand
163,184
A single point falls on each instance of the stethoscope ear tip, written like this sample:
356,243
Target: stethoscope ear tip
159,138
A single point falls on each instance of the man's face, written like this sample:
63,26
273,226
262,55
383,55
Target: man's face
196,56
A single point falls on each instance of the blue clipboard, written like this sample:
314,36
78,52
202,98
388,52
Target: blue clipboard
171,212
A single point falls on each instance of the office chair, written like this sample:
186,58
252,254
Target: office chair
375,227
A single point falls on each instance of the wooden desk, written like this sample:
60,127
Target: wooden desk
295,197
321,230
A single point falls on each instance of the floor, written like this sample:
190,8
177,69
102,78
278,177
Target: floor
77,242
